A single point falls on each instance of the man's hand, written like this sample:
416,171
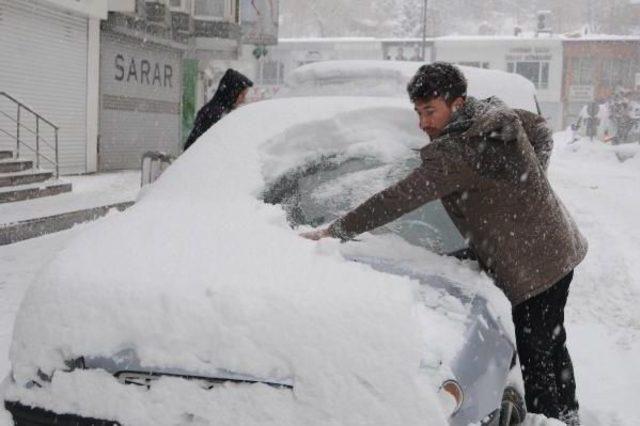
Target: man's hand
317,234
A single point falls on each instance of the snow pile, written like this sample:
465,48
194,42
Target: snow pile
602,313
202,275
19,263
390,78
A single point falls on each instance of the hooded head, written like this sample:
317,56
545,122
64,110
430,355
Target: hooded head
232,85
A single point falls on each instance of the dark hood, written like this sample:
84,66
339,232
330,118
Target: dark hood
231,85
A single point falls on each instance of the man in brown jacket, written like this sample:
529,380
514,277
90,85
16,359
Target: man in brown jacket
487,164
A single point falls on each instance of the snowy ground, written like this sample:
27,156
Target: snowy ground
603,318
602,314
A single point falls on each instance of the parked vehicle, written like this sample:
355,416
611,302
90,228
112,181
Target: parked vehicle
202,305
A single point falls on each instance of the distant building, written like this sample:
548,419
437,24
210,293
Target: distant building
407,49
539,59
119,77
50,63
158,62
595,67
290,54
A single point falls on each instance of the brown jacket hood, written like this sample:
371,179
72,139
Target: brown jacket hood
489,170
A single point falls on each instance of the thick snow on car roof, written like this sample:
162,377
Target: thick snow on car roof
390,78
202,275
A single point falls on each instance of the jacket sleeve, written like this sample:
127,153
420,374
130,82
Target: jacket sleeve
540,137
208,115
200,125
439,175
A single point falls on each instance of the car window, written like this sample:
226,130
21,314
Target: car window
319,192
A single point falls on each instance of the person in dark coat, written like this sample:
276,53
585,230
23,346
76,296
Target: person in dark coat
231,92
487,164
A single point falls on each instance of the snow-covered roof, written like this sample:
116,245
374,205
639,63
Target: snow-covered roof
328,40
503,38
90,8
476,38
600,37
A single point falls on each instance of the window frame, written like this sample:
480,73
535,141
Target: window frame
279,75
580,70
211,18
543,72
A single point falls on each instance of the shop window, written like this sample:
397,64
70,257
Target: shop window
583,70
535,71
474,64
181,6
618,72
272,73
208,9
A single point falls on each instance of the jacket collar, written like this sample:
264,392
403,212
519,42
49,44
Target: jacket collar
473,109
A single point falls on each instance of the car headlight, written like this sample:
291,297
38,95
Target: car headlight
451,395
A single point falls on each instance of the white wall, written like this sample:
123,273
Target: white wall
93,93
121,5
500,50
90,8
293,52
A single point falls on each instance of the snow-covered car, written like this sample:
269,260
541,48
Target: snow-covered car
202,305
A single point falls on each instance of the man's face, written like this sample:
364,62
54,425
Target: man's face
241,97
435,114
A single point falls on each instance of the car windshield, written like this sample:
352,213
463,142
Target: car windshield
319,192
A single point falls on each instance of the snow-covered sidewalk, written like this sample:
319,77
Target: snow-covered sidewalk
603,314
89,191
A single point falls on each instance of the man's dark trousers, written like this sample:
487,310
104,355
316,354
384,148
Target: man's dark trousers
549,382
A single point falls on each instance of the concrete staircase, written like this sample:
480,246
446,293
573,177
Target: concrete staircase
19,181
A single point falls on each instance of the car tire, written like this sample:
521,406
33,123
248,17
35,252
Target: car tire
512,410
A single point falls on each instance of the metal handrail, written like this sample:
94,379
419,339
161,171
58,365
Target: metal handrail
32,149
46,142
28,109
39,118
149,174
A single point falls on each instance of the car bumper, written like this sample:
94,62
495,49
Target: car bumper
34,416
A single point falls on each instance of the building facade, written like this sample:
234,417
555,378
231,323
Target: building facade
156,60
117,77
290,54
272,69
50,63
539,59
596,67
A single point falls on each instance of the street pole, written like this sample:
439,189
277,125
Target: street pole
424,30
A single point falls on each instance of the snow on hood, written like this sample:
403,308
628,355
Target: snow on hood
390,78
202,275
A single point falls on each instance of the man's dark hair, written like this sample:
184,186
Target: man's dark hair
440,79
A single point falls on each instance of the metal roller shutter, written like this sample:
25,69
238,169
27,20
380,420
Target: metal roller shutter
44,65
140,93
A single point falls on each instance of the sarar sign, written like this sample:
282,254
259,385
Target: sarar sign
142,71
